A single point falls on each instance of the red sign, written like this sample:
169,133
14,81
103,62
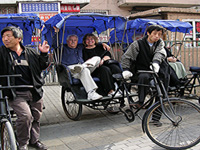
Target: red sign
70,7
46,16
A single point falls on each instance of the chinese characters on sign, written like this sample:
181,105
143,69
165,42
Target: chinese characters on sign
70,7
39,7
46,16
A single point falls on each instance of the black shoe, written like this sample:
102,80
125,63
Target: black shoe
39,146
156,123
24,147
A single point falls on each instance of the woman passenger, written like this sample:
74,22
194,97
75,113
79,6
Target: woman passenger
103,72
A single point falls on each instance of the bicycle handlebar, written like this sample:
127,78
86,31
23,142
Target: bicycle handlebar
13,86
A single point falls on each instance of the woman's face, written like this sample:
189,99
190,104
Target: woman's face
90,41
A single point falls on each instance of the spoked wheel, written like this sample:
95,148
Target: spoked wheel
8,141
72,109
183,133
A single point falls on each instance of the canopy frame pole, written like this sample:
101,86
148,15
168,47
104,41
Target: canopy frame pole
124,33
61,49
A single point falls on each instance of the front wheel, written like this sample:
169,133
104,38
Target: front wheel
183,133
72,109
8,141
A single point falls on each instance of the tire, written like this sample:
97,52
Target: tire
182,135
72,109
8,141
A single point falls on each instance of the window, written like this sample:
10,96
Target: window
193,37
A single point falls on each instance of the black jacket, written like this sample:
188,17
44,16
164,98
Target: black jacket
37,62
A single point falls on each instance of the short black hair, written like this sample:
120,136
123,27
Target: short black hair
155,27
17,32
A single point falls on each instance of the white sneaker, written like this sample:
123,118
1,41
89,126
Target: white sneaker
94,96
119,93
77,69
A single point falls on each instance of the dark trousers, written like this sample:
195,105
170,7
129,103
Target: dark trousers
28,116
143,78
104,73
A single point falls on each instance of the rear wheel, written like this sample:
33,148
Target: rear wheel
183,133
72,109
8,141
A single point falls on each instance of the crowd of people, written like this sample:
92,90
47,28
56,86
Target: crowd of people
85,61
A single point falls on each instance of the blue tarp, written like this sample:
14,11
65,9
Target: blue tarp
81,24
139,26
27,22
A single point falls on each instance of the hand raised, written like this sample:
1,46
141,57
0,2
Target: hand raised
44,47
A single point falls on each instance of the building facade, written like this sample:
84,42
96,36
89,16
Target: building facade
45,8
127,7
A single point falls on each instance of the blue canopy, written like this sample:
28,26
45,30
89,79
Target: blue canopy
27,22
139,25
81,24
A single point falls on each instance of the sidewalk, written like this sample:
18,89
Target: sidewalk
96,130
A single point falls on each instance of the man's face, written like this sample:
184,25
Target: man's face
9,40
72,42
154,36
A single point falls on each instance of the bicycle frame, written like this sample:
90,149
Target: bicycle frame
162,94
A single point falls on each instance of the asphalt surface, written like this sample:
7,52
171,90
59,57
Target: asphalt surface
96,130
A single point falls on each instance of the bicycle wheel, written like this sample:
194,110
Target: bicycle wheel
182,134
72,109
8,141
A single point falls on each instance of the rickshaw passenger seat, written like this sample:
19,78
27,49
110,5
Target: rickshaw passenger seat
195,70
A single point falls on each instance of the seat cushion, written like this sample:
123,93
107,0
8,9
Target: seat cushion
195,69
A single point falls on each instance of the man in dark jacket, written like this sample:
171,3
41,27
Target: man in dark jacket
26,103
142,53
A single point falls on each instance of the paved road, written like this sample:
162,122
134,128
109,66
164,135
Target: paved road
96,130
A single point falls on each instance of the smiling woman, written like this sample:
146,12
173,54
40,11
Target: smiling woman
103,72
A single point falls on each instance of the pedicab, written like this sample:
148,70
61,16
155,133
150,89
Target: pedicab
136,29
73,94
174,113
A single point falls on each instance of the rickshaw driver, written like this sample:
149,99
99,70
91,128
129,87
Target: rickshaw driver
143,52
72,58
